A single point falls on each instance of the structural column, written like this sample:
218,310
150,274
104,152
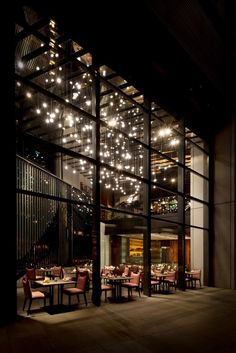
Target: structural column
96,248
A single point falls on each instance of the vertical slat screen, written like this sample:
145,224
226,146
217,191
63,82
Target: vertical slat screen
37,215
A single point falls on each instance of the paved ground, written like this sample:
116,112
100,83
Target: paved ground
194,321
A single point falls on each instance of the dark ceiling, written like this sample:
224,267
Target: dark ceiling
179,53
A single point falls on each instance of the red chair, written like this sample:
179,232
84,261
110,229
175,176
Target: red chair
79,289
32,275
133,283
86,274
31,295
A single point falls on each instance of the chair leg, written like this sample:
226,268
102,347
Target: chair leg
85,299
24,304
78,298
28,311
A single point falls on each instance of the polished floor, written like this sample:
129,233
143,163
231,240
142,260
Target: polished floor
194,321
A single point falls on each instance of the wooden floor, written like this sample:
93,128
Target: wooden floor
194,321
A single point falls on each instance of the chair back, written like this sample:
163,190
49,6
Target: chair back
135,278
27,287
30,273
81,282
170,276
196,274
85,274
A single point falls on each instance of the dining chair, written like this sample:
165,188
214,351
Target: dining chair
79,289
86,274
31,274
106,288
31,295
134,283
170,280
196,277
155,283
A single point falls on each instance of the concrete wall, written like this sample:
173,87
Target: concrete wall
224,208
198,214
105,249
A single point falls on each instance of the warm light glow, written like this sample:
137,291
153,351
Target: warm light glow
164,132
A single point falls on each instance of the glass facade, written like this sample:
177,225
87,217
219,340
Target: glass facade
83,129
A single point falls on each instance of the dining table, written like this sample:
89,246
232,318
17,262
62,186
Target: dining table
52,284
116,282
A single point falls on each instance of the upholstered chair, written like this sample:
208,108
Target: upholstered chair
106,288
196,277
134,283
79,289
31,295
